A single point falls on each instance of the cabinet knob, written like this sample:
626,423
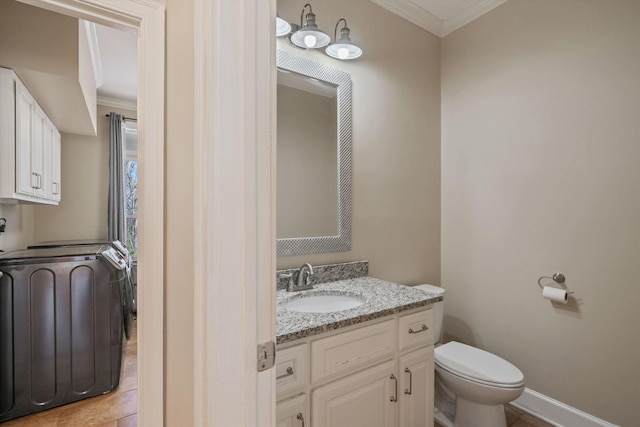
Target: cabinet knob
288,374
300,417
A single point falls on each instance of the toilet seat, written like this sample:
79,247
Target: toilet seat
477,365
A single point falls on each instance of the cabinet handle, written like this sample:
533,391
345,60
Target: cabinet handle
34,183
410,381
288,374
39,181
424,328
300,417
57,188
394,398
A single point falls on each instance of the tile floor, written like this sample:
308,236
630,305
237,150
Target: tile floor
116,409
517,418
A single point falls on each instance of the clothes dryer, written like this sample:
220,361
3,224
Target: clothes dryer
61,326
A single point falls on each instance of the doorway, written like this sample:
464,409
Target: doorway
148,19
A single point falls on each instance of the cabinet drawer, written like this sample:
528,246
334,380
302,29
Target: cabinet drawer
349,350
415,329
292,369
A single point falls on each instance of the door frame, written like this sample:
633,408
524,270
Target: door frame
148,18
234,209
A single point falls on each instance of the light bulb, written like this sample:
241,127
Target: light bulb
310,40
343,53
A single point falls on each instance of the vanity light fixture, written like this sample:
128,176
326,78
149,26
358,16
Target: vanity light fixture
343,48
283,28
308,35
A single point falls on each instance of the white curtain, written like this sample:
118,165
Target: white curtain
116,216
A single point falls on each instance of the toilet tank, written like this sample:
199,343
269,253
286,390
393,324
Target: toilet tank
438,310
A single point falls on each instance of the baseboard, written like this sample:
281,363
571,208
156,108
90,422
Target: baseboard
555,412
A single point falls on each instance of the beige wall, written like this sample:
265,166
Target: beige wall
82,212
48,54
396,140
179,215
540,173
24,44
20,226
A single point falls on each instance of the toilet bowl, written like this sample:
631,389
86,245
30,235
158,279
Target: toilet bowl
480,381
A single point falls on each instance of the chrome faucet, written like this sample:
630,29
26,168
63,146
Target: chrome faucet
304,278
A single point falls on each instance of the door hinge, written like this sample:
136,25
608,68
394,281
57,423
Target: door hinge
266,355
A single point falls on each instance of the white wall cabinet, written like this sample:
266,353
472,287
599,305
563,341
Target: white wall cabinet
379,373
52,150
30,146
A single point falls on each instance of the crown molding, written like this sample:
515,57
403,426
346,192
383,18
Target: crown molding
468,15
413,13
410,11
117,103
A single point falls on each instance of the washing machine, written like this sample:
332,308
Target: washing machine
121,249
62,326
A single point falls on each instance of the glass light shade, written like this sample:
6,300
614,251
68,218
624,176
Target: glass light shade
343,50
309,38
282,27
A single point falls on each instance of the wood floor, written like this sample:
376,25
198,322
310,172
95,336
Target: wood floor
116,409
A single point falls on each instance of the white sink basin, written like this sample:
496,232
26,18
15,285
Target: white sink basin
323,303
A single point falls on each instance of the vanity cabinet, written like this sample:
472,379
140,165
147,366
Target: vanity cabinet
378,373
293,412
415,388
360,399
30,146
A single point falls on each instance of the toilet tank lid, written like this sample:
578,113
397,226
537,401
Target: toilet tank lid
431,288
476,364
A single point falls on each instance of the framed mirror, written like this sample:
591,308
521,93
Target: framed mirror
314,157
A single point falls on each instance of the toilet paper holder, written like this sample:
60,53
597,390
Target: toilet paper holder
559,278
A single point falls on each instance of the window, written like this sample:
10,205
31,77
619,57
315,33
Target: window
131,187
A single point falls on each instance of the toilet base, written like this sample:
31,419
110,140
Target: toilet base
471,414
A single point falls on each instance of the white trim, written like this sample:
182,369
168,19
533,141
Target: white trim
94,51
117,103
555,412
234,221
470,14
428,21
413,13
148,18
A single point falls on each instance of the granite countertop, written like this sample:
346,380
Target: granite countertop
381,298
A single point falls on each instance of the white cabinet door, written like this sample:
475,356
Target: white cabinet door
39,139
56,164
52,162
26,181
293,412
365,399
416,388
32,140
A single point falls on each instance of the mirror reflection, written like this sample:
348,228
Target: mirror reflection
307,178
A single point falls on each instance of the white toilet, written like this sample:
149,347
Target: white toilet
480,381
